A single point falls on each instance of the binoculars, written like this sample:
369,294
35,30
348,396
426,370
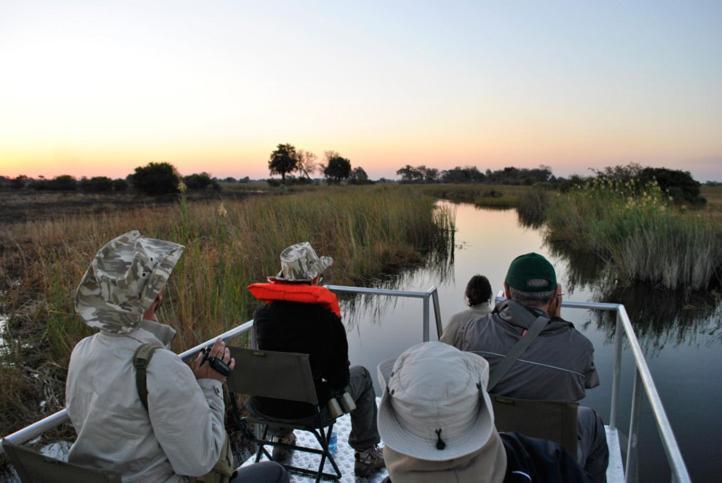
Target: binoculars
339,405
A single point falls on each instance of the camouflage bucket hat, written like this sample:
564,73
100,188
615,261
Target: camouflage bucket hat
123,280
299,263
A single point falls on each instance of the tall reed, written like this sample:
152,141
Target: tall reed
642,237
368,230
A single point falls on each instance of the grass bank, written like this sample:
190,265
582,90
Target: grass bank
642,238
368,231
481,195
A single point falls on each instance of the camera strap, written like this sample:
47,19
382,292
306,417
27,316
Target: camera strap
141,358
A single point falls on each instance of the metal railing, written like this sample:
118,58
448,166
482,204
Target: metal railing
430,295
623,327
36,429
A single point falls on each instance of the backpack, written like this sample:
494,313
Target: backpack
224,469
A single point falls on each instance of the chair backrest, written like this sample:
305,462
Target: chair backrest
34,467
279,375
552,420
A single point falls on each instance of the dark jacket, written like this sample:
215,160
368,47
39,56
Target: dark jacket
528,460
310,329
558,365
538,461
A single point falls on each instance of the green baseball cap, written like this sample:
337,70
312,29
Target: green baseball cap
531,272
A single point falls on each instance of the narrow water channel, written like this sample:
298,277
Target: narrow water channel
682,342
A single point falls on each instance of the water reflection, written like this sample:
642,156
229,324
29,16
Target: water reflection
660,316
679,332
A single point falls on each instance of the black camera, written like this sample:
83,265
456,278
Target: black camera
217,364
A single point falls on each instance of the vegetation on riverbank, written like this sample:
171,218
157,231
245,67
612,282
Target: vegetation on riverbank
638,233
368,231
481,195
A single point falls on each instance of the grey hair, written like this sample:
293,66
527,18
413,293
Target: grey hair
532,299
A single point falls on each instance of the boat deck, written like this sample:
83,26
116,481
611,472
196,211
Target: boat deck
344,456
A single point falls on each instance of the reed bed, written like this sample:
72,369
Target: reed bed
368,231
481,195
641,237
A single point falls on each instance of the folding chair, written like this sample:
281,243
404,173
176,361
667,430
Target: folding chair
552,420
286,376
33,467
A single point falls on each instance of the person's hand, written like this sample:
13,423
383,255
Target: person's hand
150,312
555,306
205,371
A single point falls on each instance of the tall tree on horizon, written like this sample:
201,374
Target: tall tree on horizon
283,160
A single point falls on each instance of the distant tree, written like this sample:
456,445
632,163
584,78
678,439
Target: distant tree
19,182
430,175
520,176
283,160
64,182
230,179
469,174
337,167
120,185
358,176
305,163
156,179
198,181
97,184
409,174
245,179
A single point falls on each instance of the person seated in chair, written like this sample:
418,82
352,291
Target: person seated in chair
302,316
437,424
559,363
173,433
477,296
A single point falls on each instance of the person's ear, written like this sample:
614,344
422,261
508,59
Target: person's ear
507,290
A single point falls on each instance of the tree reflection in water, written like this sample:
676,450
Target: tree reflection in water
659,316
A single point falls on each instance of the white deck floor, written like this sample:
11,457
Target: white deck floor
345,456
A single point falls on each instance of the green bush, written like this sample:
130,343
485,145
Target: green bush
156,179
642,237
97,184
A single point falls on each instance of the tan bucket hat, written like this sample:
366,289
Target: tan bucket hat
123,280
435,406
299,263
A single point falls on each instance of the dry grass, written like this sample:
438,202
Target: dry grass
642,238
366,229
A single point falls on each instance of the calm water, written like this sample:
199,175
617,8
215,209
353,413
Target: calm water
681,337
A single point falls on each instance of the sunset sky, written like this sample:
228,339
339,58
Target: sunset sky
97,88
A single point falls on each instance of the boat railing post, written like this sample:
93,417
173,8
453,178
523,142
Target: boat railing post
631,474
437,313
617,370
425,336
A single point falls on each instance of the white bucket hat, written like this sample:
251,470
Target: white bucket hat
299,263
435,406
123,280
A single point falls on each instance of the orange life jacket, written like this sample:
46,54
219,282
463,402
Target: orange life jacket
295,292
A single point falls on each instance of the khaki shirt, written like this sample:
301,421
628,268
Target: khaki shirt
180,435
472,313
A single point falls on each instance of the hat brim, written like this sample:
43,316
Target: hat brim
280,278
402,441
99,313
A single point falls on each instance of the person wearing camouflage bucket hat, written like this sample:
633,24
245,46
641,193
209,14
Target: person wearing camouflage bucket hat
299,315
123,280
300,264
558,364
176,431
